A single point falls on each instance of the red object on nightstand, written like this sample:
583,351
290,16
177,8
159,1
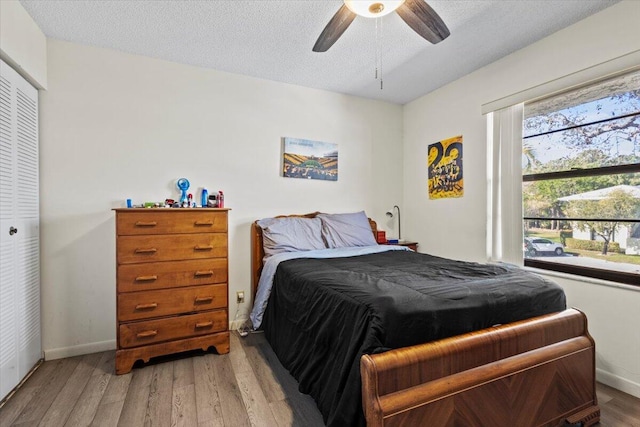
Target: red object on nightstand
381,237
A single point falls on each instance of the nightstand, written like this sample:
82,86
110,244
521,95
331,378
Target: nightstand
411,245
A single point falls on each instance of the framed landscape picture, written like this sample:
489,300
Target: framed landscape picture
303,158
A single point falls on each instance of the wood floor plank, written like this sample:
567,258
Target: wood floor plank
618,409
621,414
110,407
305,410
233,410
207,399
288,384
16,404
107,364
255,402
290,415
624,405
283,413
183,372
160,395
263,371
183,413
87,405
134,410
66,399
238,358
108,414
302,408
116,389
51,386
42,375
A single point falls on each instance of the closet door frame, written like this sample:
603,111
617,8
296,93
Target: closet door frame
20,324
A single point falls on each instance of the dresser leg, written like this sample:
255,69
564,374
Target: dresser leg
124,362
222,348
125,358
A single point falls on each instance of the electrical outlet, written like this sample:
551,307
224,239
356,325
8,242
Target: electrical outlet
240,297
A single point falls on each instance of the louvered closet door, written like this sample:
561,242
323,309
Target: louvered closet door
20,337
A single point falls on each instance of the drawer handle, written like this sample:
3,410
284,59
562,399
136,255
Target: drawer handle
146,224
146,250
203,248
200,325
146,278
203,273
204,223
147,334
203,299
146,306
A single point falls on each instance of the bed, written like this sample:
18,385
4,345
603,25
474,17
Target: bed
539,371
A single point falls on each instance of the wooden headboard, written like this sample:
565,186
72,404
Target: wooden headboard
257,249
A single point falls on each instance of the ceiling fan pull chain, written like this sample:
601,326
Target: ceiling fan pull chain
377,50
380,53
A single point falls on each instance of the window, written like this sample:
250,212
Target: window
581,181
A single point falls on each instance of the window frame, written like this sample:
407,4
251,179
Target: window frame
597,273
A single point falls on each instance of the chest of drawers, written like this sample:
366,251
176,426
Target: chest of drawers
172,292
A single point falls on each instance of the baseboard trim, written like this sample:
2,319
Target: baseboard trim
78,350
96,347
618,382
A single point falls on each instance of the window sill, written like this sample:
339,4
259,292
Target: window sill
627,278
584,279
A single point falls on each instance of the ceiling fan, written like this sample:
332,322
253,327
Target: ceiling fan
416,13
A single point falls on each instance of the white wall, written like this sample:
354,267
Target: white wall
22,44
117,126
456,228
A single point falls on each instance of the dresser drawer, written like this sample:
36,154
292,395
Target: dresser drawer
137,334
170,222
171,247
144,305
175,274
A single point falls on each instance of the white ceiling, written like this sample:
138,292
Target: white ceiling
272,39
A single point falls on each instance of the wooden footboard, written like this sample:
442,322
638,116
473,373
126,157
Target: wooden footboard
536,372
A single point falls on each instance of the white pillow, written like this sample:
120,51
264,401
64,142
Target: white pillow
347,230
291,234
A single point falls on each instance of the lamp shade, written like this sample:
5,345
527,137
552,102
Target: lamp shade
372,8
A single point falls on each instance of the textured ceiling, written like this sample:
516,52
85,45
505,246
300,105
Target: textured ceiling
272,39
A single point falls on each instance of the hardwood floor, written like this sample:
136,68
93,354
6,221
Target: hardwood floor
247,387
617,408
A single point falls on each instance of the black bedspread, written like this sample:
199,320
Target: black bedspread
324,314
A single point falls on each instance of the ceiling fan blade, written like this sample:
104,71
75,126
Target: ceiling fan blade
334,29
423,20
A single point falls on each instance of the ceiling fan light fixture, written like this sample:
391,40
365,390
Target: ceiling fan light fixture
417,14
372,8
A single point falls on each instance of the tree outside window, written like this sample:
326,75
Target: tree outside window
581,177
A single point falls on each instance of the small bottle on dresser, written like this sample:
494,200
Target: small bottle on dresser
205,198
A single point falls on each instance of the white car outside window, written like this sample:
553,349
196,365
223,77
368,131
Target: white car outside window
536,246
